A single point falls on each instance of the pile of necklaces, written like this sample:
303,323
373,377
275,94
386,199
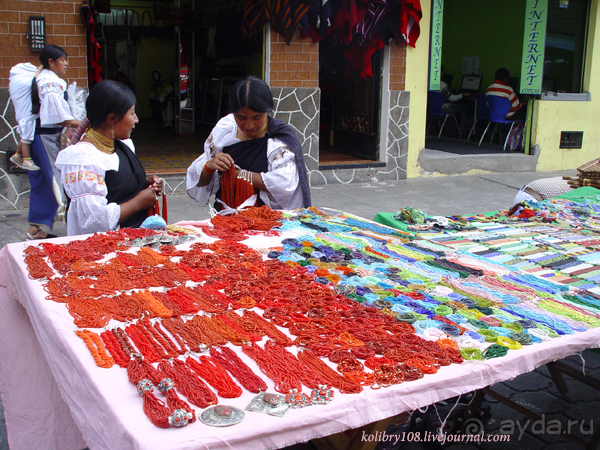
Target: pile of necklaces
339,303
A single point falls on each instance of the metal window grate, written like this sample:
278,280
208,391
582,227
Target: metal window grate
37,33
571,139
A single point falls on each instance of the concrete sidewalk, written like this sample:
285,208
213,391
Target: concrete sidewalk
436,196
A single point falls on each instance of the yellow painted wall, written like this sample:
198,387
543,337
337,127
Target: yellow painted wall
417,65
552,117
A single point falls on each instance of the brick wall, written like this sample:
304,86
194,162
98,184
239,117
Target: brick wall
397,66
297,64
63,28
294,65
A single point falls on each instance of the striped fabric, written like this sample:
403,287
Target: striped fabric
284,16
500,89
376,10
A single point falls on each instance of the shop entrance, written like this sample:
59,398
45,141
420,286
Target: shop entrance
180,58
350,107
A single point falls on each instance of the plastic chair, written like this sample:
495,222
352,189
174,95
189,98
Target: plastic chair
482,111
435,101
499,107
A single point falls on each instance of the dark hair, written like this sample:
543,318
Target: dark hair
502,74
252,93
108,97
52,52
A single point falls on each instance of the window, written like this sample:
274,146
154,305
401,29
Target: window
564,57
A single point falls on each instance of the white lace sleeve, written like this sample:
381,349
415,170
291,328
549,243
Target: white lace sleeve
82,170
54,109
202,193
282,179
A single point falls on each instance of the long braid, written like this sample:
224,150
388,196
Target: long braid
82,128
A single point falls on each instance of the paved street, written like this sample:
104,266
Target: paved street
436,196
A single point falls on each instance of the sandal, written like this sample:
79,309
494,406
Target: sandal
30,237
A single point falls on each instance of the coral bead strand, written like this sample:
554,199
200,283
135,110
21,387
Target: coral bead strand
96,348
236,367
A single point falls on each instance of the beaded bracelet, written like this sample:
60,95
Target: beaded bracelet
491,321
207,169
495,351
489,335
522,338
513,326
474,335
443,310
471,353
508,342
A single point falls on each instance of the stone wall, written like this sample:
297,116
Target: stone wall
395,144
14,187
296,106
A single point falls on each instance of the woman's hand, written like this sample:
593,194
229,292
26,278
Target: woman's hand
143,200
221,162
156,184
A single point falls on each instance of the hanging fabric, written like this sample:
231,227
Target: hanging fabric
284,16
94,49
410,16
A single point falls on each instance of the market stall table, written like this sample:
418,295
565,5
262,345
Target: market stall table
55,396
387,218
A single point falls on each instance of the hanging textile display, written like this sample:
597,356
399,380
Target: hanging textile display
363,25
284,16
94,49
410,16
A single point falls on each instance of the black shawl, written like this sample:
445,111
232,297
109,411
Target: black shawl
126,183
286,134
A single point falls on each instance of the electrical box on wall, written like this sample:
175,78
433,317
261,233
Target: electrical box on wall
571,139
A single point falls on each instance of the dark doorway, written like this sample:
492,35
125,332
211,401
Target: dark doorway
350,107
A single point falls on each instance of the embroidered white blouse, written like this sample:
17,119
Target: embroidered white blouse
54,109
82,174
282,181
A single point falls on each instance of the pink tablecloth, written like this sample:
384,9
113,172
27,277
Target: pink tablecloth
55,397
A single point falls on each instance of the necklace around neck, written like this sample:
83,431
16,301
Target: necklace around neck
260,133
101,142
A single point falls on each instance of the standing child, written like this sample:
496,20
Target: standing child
21,77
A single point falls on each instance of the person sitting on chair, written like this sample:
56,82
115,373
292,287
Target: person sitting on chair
451,106
501,88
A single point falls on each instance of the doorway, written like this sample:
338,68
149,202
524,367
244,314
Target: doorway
181,57
350,107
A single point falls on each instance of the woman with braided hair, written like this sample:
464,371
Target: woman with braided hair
104,180
48,99
264,152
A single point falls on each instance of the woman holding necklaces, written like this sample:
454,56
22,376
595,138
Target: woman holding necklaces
103,178
48,98
264,151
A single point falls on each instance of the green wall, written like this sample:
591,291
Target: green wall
491,30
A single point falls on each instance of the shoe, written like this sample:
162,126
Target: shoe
28,164
17,160
34,236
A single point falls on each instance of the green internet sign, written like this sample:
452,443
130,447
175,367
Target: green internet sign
435,61
532,64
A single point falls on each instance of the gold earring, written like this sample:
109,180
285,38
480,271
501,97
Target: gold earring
112,131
